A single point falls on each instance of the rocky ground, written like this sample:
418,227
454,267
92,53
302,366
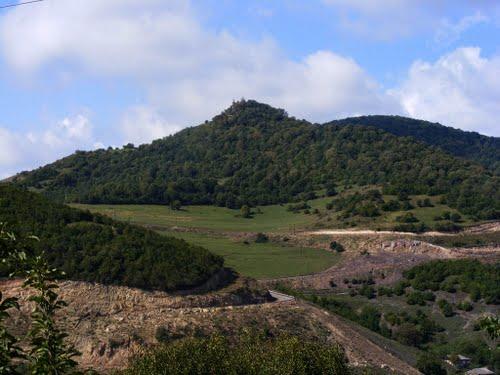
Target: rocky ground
109,324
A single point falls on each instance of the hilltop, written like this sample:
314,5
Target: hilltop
255,154
468,145
92,247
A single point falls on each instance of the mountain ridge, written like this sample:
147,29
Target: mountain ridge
466,144
253,154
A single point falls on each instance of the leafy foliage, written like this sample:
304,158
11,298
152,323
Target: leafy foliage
470,276
491,324
250,354
48,352
467,145
92,247
254,154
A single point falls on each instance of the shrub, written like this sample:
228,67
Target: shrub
429,364
407,218
419,298
250,354
392,205
465,306
385,291
447,226
261,238
446,308
334,245
367,291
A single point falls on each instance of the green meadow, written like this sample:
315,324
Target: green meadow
258,260
211,227
263,260
273,218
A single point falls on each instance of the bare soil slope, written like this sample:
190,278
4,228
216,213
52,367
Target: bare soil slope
108,324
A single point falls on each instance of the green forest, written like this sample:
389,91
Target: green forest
468,145
92,247
254,154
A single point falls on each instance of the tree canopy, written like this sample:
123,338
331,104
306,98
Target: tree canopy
254,154
92,247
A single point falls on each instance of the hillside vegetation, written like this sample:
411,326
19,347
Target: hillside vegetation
468,145
92,247
255,154
249,355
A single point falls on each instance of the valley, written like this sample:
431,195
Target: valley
381,243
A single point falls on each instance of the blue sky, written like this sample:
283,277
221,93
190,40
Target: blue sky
90,74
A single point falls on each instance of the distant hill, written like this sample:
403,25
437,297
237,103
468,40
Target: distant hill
95,248
468,145
254,154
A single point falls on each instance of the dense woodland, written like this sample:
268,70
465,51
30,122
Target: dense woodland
468,145
92,247
255,154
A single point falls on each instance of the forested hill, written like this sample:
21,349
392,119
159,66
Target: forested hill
92,247
469,145
255,154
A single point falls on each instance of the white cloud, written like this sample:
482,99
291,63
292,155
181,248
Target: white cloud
189,71
460,89
22,151
450,32
143,124
383,19
394,19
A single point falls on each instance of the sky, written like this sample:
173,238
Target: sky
83,75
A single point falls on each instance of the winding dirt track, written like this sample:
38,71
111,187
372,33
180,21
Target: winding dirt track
367,232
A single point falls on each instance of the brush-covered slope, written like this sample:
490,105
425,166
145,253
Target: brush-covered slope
92,247
255,154
468,145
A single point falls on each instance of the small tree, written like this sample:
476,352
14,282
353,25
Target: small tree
245,212
334,245
175,205
430,365
491,324
48,353
261,238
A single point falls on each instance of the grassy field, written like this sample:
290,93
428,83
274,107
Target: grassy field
267,260
263,260
274,218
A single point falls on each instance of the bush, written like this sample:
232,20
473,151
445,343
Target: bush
334,245
250,354
407,218
470,276
367,291
411,227
465,306
261,238
245,212
447,226
369,317
392,205
419,298
446,308
430,365
385,291
295,208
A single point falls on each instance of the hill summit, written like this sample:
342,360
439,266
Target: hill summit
255,154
